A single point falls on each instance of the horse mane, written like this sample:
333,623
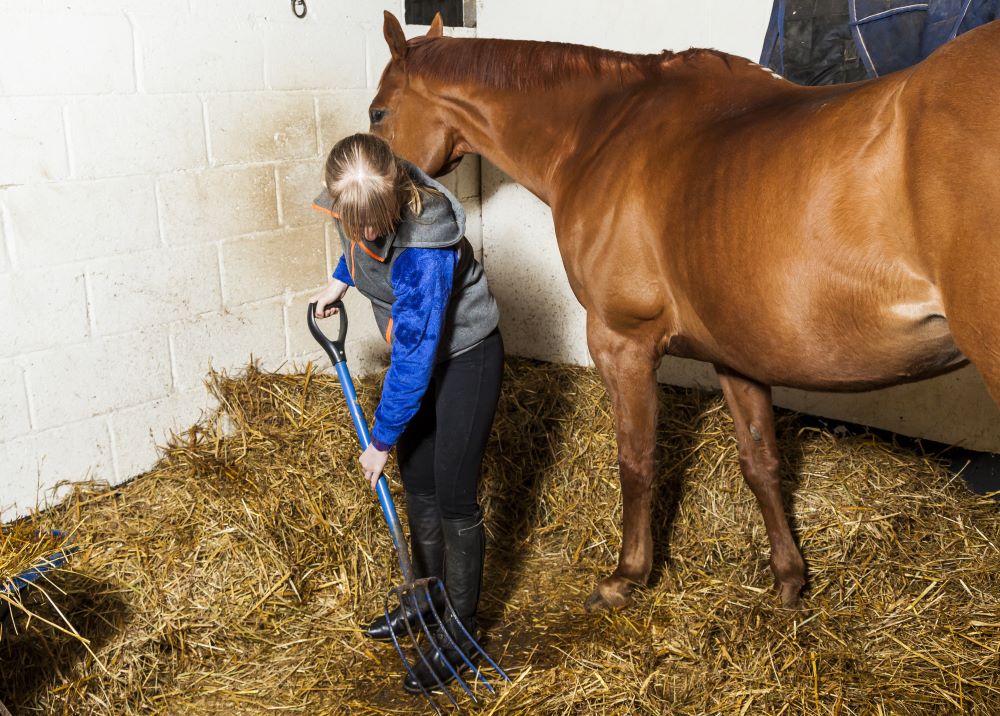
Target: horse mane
527,64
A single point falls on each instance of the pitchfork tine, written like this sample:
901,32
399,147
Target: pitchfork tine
472,641
405,659
453,617
437,647
423,657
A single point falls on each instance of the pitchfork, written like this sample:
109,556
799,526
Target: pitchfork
434,626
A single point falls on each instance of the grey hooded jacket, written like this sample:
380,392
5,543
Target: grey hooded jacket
472,311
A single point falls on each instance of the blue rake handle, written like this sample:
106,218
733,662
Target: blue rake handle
335,349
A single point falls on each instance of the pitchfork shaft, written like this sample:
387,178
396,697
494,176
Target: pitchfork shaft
382,486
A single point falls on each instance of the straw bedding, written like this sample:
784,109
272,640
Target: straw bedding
233,577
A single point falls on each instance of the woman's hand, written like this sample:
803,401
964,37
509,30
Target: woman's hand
373,462
334,291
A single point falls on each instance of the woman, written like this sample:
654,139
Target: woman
404,249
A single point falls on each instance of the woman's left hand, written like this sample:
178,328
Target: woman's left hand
373,462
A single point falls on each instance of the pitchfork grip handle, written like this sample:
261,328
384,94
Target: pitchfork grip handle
334,349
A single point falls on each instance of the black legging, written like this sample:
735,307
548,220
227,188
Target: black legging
441,451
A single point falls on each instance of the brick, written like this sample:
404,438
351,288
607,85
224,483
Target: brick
136,134
217,203
5,264
139,431
152,287
191,55
31,466
15,418
318,57
226,342
76,382
283,127
65,53
60,223
450,182
227,8
298,185
33,141
376,56
468,178
269,264
42,309
340,114
134,7
474,225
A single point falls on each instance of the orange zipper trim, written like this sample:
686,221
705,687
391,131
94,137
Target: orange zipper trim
371,253
331,212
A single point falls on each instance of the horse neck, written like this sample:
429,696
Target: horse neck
527,134
531,133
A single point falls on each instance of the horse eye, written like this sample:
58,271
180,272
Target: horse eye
376,115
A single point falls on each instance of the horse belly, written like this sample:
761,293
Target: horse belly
903,341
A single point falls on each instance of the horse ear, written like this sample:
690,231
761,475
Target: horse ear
437,26
394,36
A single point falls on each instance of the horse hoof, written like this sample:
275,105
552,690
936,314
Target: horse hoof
610,595
791,595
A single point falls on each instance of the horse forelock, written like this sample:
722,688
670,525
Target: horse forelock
525,64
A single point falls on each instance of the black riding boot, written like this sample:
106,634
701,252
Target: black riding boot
427,548
465,548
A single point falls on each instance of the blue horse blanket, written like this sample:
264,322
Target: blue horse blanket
833,41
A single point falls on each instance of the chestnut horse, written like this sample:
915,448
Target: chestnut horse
827,238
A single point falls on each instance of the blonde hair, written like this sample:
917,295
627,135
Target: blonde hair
369,186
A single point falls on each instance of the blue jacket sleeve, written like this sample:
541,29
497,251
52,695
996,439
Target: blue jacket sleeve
422,281
341,273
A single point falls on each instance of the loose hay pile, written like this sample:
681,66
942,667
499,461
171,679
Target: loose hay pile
232,578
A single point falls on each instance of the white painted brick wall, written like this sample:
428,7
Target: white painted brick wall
283,127
62,53
148,288
14,417
136,431
67,222
74,382
200,207
32,465
264,265
296,180
33,139
42,308
189,54
135,134
158,163
234,336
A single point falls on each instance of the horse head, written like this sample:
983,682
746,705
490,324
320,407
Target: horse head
405,113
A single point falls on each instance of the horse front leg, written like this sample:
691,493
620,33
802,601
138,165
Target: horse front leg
753,415
628,370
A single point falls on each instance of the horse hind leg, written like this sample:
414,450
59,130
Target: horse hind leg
753,415
628,370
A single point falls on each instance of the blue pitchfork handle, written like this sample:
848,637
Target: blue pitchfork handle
335,349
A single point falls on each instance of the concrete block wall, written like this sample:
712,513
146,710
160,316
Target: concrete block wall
157,162
540,316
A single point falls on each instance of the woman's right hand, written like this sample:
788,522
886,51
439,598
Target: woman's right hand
334,291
